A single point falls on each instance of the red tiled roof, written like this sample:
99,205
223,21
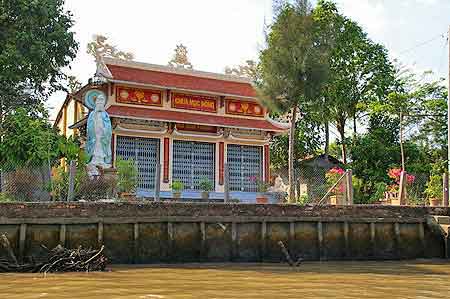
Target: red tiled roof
192,118
181,81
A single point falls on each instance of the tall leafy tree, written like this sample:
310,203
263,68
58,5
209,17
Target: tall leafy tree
360,72
293,65
28,140
36,42
419,105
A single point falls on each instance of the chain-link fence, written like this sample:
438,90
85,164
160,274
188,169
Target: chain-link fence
25,183
312,183
46,183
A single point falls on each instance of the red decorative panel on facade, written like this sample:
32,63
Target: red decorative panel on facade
221,162
135,96
194,102
196,128
166,161
244,108
266,163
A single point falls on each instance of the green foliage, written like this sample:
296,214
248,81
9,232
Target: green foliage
59,185
434,187
127,173
379,189
177,186
28,140
303,199
36,42
293,66
206,184
360,70
5,197
307,142
358,190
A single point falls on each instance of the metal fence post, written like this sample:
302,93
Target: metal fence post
226,196
157,182
72,172
445,189
402,189
349,189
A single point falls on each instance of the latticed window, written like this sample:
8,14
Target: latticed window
244,162
193,161
145,152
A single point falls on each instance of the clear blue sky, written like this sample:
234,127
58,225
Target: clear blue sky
220,33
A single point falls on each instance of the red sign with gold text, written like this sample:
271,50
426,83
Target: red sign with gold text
145,97
244,108
194,102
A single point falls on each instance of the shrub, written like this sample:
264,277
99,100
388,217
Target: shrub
434,187
127,174
206,185
5,197
177,186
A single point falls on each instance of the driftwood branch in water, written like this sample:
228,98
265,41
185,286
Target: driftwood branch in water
288,256
59,259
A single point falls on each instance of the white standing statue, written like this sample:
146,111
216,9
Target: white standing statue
99,133
279,186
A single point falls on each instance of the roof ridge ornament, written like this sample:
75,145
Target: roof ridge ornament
100,48
180,58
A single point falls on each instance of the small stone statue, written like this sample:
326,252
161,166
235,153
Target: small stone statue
99,133
279,186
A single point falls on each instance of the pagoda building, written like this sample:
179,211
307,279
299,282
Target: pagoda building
191,123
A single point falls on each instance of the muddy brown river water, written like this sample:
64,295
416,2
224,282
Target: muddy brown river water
311,280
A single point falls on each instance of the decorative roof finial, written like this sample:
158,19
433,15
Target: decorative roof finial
180,58
100,48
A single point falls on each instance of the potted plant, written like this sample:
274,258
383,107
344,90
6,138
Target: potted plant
262,187
434,190
206,186
177,186
127,174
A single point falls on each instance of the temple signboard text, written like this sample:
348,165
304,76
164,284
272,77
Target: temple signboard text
194,102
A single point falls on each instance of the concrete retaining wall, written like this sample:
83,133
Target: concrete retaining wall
197,232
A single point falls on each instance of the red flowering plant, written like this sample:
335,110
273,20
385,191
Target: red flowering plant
261,185
395,174
332,176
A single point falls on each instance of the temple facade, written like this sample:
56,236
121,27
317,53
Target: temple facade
191,123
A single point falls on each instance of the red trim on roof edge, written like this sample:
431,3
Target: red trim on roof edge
181,81
192,118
